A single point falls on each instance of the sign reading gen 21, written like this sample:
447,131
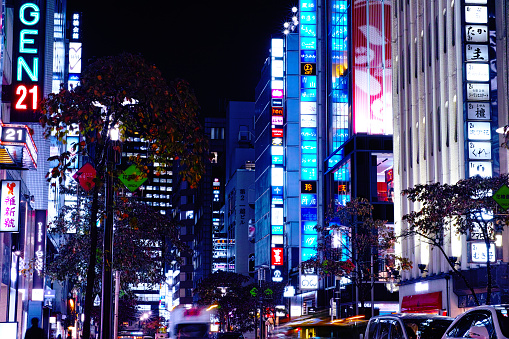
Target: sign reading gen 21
28,65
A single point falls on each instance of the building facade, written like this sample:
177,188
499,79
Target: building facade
323,122
240,174
450,86
33,64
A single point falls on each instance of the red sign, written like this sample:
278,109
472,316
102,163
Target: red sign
277,133
277,256
85,176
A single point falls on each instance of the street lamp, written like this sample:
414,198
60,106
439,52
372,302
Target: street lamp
107,276
144,317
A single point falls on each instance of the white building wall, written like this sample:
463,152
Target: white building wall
428,123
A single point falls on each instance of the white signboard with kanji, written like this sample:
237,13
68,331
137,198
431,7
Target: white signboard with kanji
475,52
479,150
479,111
477,91
479,130
476,14
481,168
476,33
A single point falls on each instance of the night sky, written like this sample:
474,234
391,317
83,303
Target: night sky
219,47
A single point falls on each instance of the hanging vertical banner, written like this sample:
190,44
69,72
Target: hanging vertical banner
277,85
28,59
39,248
480,79
9,206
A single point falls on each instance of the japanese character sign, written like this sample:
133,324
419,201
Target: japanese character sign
277,256
9,206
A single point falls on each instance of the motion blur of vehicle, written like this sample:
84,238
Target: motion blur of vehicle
482,322
191,323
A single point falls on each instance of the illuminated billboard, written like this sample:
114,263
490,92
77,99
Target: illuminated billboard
28,59
277,93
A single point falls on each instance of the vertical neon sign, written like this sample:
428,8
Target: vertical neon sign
28,60
480,108
308,128
277,90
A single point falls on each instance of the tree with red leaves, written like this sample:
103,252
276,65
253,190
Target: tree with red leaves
464,208
346,243
127,93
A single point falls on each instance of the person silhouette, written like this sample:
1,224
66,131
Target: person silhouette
35,332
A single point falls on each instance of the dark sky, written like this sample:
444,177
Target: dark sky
218,46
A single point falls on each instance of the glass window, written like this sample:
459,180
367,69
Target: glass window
461,327
384,328
396,330
503,320
484,319
372,328
384,175
426,328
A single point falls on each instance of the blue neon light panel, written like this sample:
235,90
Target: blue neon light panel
307,253
308,5
309,240
308,56
308,160
308,214
308,173
308,30
308,200
307,43
308,81
308,133
308,18
308,94
308,227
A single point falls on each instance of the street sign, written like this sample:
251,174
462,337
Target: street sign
85,176
132,178
502,197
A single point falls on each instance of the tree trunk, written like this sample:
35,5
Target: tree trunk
92,260
488,267
458,273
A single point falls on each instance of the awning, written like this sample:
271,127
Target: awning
422,303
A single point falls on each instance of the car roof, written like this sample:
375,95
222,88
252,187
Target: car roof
488,307
413,316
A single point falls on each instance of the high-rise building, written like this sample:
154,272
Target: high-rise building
450,86
323,122
199,212
240,174
33,60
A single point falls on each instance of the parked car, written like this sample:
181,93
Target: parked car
482,322
229,335
407,326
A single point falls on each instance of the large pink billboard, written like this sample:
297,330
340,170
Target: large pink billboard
372,68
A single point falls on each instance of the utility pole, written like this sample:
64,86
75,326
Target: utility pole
117,294
107,250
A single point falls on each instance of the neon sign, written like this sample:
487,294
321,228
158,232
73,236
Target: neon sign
28,64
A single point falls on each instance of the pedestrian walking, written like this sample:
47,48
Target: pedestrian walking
35,332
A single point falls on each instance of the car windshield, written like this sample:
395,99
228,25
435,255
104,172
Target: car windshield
426,328
503,320
191,331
